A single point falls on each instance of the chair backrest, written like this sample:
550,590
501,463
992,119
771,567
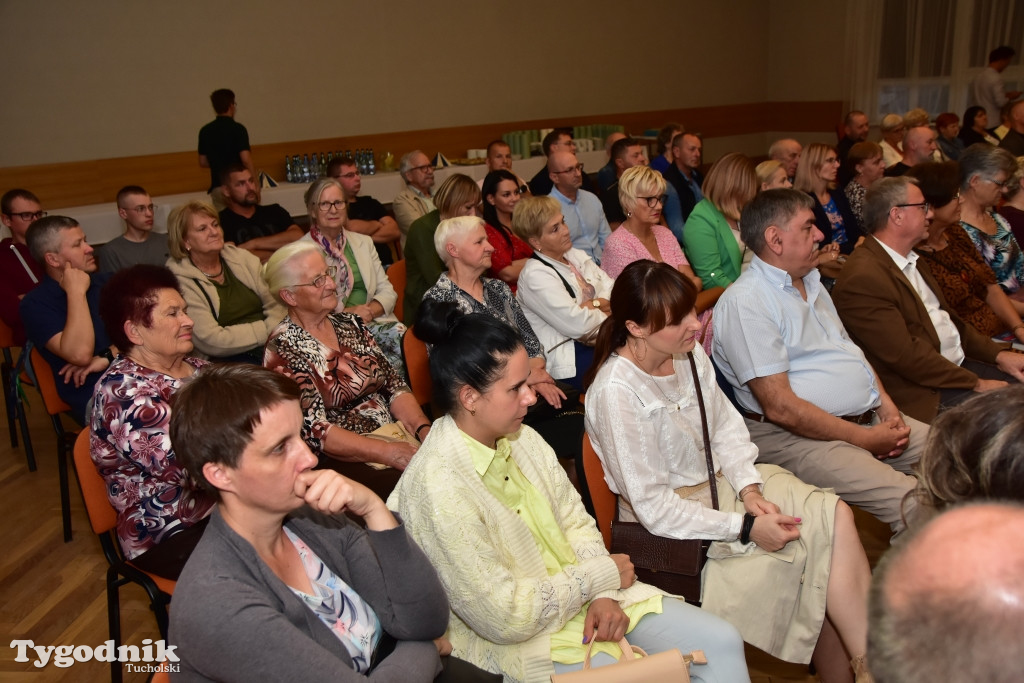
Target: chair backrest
414,353
605,502
102,516
6,335
396,275
46,384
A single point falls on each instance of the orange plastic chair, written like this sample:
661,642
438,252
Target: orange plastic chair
10,369
55,405
396,274
103,520
604,500
414,353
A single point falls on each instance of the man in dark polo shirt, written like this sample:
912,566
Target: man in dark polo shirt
365,214
223,142
259,229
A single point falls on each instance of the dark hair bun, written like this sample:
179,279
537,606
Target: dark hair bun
436,321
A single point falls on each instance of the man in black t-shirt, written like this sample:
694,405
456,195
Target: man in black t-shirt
365,214
223,142
259,229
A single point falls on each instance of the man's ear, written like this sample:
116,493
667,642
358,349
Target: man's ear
773,239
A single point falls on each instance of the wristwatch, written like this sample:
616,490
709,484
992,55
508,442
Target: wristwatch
596,303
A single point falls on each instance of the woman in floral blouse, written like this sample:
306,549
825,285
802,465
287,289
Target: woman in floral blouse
349,389
144,313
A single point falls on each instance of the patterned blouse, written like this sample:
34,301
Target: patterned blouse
1001,252
352,388
855,196
339,607
964,278
498,301
507,248
132,451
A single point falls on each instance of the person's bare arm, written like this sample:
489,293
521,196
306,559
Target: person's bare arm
783,407
383,231
1004,308
272,243
75,343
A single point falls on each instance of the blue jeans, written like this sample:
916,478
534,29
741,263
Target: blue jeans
685,627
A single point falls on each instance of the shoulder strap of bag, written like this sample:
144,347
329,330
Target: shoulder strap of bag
568,287
704,430
208,299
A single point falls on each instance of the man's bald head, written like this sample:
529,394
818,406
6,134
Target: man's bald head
787,151
565,173
951,599
918,145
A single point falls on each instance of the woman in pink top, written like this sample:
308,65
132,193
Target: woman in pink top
642,195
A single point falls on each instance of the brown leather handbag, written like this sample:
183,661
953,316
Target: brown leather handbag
670,665
671,564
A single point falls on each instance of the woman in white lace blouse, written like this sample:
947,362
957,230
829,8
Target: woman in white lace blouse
787,563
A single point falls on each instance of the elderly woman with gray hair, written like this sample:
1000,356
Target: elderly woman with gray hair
985,173
227,299
463,246
357,408
363,287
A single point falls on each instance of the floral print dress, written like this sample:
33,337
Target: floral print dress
131,447
1001,252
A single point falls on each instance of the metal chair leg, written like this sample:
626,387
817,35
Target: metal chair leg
114,620
62,473
10,395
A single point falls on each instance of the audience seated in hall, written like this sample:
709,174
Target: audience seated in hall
366,215
581,208
787,151
918,146
926,356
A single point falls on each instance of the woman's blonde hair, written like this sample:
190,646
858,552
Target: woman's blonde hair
639,181
453,230
731,184
808,171
765,170
179,222
456,190
531,214
279,272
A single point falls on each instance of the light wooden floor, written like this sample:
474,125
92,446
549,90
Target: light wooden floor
54,593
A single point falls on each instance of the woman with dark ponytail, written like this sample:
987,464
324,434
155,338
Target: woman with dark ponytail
526,572
786,563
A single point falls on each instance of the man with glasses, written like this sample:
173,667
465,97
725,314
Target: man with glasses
812,403
919,143
893,308
366,215
582,209
252,226
138,244
21,273
416,199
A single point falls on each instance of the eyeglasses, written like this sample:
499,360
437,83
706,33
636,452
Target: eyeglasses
1002,185
578,168
347,176
321,279
923,205
327,206
144,208
423,169
28,215
654,201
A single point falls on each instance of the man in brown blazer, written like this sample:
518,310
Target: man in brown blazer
892,307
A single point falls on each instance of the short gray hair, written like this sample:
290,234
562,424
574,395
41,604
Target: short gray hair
279,272
771,207
43,236
405,163
982,159
881,197
453,230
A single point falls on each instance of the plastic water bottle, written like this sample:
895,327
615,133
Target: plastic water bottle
372,162
287,168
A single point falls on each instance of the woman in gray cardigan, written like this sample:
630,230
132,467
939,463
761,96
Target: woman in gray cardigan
283,586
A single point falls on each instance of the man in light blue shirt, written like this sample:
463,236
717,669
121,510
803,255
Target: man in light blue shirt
582,210
812,402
